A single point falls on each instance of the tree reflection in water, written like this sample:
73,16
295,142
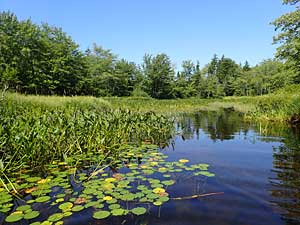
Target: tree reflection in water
285,180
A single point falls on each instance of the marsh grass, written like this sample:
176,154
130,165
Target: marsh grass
178,106
37,130
278,107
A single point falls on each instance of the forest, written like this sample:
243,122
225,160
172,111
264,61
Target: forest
44,60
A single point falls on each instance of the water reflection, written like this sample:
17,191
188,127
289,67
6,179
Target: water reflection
219,125
284,180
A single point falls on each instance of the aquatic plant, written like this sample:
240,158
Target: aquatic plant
140,178
32,134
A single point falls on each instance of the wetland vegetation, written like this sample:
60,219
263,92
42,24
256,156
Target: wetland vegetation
89,138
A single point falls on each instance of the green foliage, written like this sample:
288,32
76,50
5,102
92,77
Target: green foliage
33,133
41,59
38,59
289,38
159,75
280,106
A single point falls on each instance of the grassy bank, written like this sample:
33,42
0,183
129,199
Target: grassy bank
174,106
282,106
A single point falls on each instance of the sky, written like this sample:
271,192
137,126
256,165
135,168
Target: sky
183,29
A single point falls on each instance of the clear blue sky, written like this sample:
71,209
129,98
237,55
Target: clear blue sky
185,29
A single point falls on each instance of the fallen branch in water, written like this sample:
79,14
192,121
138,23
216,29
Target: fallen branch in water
197,196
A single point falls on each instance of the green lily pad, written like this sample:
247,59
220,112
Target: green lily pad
164,199
114,206
77,208
117,212
55,217
5,210
47,223
168,182
90,204
23,208
157,203
66,206
112,201
31,215
59,223
35,223
101,214
139,211
30,201
14,217
67,214
43,199
59,200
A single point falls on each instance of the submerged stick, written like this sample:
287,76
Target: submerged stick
197,196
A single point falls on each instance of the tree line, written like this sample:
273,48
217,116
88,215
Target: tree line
42,59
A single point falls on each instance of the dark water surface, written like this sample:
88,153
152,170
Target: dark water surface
257,169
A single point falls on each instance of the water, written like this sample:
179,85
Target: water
256,166
257,169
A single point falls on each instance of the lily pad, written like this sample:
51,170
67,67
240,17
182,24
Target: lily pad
114,206
55,217
14,217
139,211
117,212
77,208
101,214
157,203
168,182
66,206
43,199
89,204
47,223
31,215
23,208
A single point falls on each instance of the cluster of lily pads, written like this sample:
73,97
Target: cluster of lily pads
129,185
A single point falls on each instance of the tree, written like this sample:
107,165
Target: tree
128,76
183,86
38,59
101,64
289,38
159,75
198,81
227,72
213,65
246,66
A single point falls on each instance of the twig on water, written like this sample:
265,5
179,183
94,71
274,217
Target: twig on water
197,196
